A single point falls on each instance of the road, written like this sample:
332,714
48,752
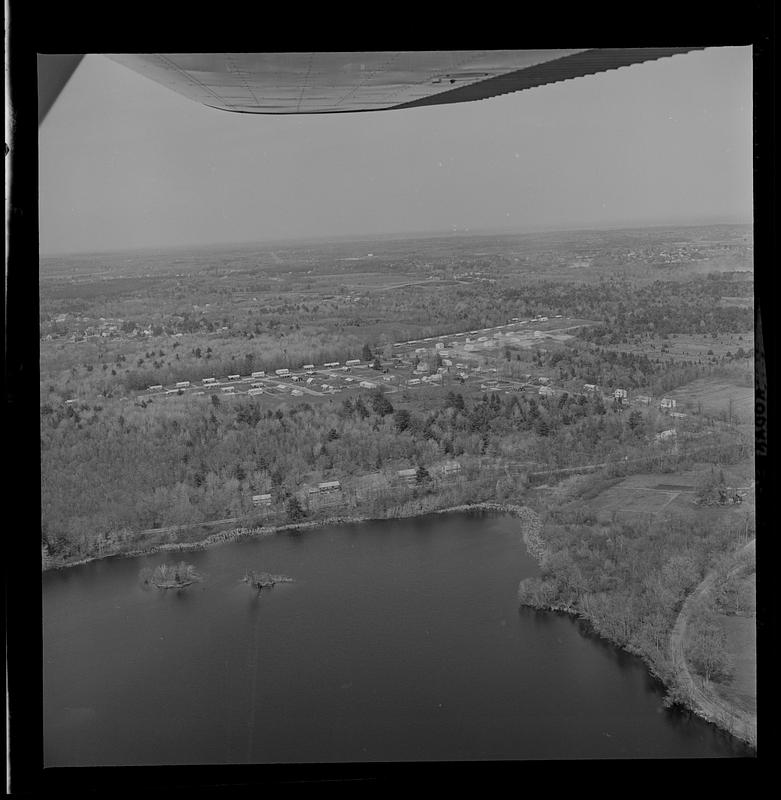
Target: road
707,704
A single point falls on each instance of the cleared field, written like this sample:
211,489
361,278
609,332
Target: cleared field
742,649
690,346
652,493
630,498
715,396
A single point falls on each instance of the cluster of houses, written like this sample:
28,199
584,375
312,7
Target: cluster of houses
445,472
331,493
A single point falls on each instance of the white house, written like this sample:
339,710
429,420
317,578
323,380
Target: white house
282,372
261,499
667,402
260,374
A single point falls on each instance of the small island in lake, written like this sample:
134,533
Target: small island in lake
167,576
261,579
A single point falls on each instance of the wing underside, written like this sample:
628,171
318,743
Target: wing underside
326,83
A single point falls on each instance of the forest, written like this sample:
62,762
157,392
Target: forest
107,473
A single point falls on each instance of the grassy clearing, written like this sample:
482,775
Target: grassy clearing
741,690
645,494
715,395
690,346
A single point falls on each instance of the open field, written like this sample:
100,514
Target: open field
652,493
741,690
690,346
715,395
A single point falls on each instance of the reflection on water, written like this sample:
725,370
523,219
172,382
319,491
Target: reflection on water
398,640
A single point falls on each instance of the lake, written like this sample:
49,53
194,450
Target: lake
398,641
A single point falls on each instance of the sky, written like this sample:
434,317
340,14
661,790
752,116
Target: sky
125,163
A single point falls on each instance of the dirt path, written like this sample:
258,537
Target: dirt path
705,703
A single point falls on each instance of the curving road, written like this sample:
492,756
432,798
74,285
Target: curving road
704,703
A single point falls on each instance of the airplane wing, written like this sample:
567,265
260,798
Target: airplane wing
327,83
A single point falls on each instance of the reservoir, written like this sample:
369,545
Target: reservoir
398,641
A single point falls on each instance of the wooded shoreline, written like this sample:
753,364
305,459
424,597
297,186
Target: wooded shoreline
235,534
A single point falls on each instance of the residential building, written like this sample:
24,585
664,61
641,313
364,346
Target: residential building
449,471
408,476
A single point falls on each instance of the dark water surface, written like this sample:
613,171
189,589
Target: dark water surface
399,641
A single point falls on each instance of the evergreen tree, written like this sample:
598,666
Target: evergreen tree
294,510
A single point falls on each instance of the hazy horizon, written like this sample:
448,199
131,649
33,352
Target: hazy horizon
394,235
126,164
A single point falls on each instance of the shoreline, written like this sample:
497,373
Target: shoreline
235,534
531,534
680,688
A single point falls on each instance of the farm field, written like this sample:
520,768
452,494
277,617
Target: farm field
690,346
715,395
653,493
